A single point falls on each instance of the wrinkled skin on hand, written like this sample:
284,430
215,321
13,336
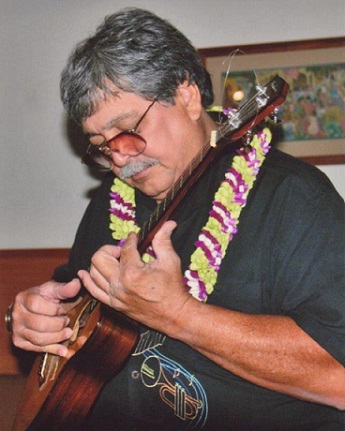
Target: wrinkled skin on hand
152,293
40,322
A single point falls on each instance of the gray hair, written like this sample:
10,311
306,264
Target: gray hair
136,51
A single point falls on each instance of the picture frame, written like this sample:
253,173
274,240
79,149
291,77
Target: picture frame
318,60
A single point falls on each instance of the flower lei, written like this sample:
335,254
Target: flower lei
221,226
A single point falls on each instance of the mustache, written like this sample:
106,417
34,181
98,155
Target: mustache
135,167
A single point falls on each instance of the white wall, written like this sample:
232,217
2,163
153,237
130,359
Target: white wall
43,187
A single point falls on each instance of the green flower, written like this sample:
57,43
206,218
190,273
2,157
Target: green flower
124,190
146,258
120,229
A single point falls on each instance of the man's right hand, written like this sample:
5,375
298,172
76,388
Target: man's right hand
39,319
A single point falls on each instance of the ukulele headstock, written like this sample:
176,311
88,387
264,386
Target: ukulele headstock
265,103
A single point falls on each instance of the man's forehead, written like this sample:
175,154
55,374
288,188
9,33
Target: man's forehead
112,111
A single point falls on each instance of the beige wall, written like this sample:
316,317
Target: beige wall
43,187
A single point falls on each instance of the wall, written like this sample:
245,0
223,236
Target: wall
43,187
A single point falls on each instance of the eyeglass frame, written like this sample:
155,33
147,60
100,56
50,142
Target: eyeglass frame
105,146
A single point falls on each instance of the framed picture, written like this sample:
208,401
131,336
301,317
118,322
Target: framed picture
313,115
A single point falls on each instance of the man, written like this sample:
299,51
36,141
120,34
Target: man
241,333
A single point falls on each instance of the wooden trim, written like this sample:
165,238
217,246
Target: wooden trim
338,159
20,269
293,45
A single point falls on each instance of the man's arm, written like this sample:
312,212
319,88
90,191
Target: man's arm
271,351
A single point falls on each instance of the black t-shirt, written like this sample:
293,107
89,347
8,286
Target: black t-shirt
286,259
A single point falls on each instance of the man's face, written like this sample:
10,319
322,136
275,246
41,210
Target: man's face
173,135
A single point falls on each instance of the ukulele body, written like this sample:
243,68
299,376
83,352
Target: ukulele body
60,392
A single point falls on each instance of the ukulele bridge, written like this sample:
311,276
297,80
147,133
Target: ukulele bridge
50,364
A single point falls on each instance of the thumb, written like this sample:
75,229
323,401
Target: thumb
161,243
62,291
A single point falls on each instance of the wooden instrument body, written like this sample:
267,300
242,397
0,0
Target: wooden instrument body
62,394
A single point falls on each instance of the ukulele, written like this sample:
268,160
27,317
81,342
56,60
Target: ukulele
60,392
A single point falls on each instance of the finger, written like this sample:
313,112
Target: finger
43,339
99,279
161,243
62,291
105,262
44,324
129,251
57,349
44,299
113,250
93,287
46,341
54,349
108,252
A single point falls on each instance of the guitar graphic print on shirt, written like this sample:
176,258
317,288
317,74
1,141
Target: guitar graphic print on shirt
177,387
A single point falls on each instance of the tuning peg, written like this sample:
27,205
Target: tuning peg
248,137
275,116
261,89
230,112
234,119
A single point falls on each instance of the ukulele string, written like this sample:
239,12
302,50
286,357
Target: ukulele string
178,185
229,58
243,110
246,110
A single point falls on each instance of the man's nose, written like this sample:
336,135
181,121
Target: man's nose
119,159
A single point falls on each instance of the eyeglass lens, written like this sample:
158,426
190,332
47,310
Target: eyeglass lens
126,143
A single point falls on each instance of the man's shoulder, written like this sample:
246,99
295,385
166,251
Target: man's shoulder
282,168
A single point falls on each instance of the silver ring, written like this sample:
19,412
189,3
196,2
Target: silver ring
8,318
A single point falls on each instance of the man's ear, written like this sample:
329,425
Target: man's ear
191,97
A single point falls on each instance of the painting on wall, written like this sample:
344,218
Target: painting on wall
313,115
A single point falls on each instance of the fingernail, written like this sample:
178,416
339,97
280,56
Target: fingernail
68,332
63,352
